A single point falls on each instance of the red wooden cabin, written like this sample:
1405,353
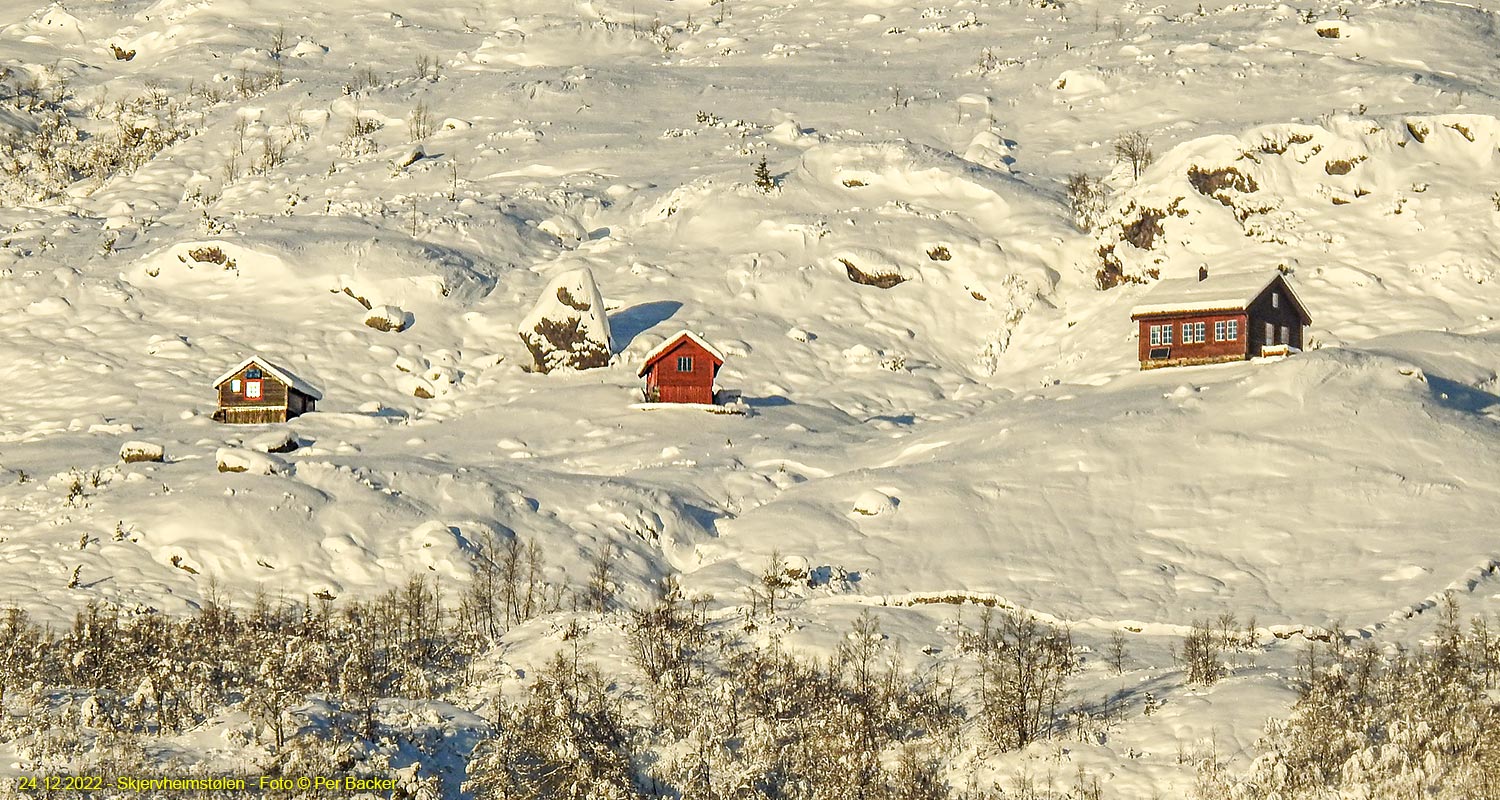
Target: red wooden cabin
256,392
1207,320
682,370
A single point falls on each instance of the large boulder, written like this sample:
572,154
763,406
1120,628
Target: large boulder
568,328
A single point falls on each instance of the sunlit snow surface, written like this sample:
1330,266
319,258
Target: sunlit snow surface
979,429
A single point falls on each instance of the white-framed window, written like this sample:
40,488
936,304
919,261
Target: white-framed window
252,390
1193,332
1166,334
1161,335
1275,299
1155,335
1219,331
1286,335
684,363
234,386
1232,330
1200,331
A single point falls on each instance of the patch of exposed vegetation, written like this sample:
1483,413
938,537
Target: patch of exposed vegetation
1342,166
566,337
212,254
1278,146
1418,131
939,253
566,298
1216,183
382,323
1143,230
358,298
1463,130
1330,32
883,280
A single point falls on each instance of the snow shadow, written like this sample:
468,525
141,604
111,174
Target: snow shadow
1459,396
629,323
769,401
707,519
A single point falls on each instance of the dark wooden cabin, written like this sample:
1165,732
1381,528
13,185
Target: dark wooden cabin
257,392
1206,320
682,370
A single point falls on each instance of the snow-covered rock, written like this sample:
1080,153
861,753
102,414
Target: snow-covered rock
235,459
277,441
568,328
873,502
132,452
388,318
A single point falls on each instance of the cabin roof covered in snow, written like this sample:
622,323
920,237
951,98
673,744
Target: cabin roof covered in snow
276,372
670,342
1232,292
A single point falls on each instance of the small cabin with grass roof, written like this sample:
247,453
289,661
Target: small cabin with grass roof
1207,320
681,369
255,392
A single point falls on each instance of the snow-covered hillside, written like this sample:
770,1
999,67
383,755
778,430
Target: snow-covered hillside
942,405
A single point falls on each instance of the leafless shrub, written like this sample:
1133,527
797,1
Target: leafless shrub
1134,148
1024,666
1201,649
419,123
424,67
1087,197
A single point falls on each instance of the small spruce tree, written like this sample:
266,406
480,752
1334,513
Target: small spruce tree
763,179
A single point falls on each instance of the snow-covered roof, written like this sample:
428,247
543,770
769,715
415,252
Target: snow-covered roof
1232,292
276,372
670,342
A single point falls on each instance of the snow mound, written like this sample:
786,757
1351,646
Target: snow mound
277,441
873,503
568,328
388,318
234,459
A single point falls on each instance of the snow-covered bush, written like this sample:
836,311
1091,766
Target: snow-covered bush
1371,723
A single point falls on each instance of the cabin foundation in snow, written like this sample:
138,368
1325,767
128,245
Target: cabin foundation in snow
681,369
257,392
1207,320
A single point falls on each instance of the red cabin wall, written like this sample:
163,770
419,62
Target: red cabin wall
670,386
1199,352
